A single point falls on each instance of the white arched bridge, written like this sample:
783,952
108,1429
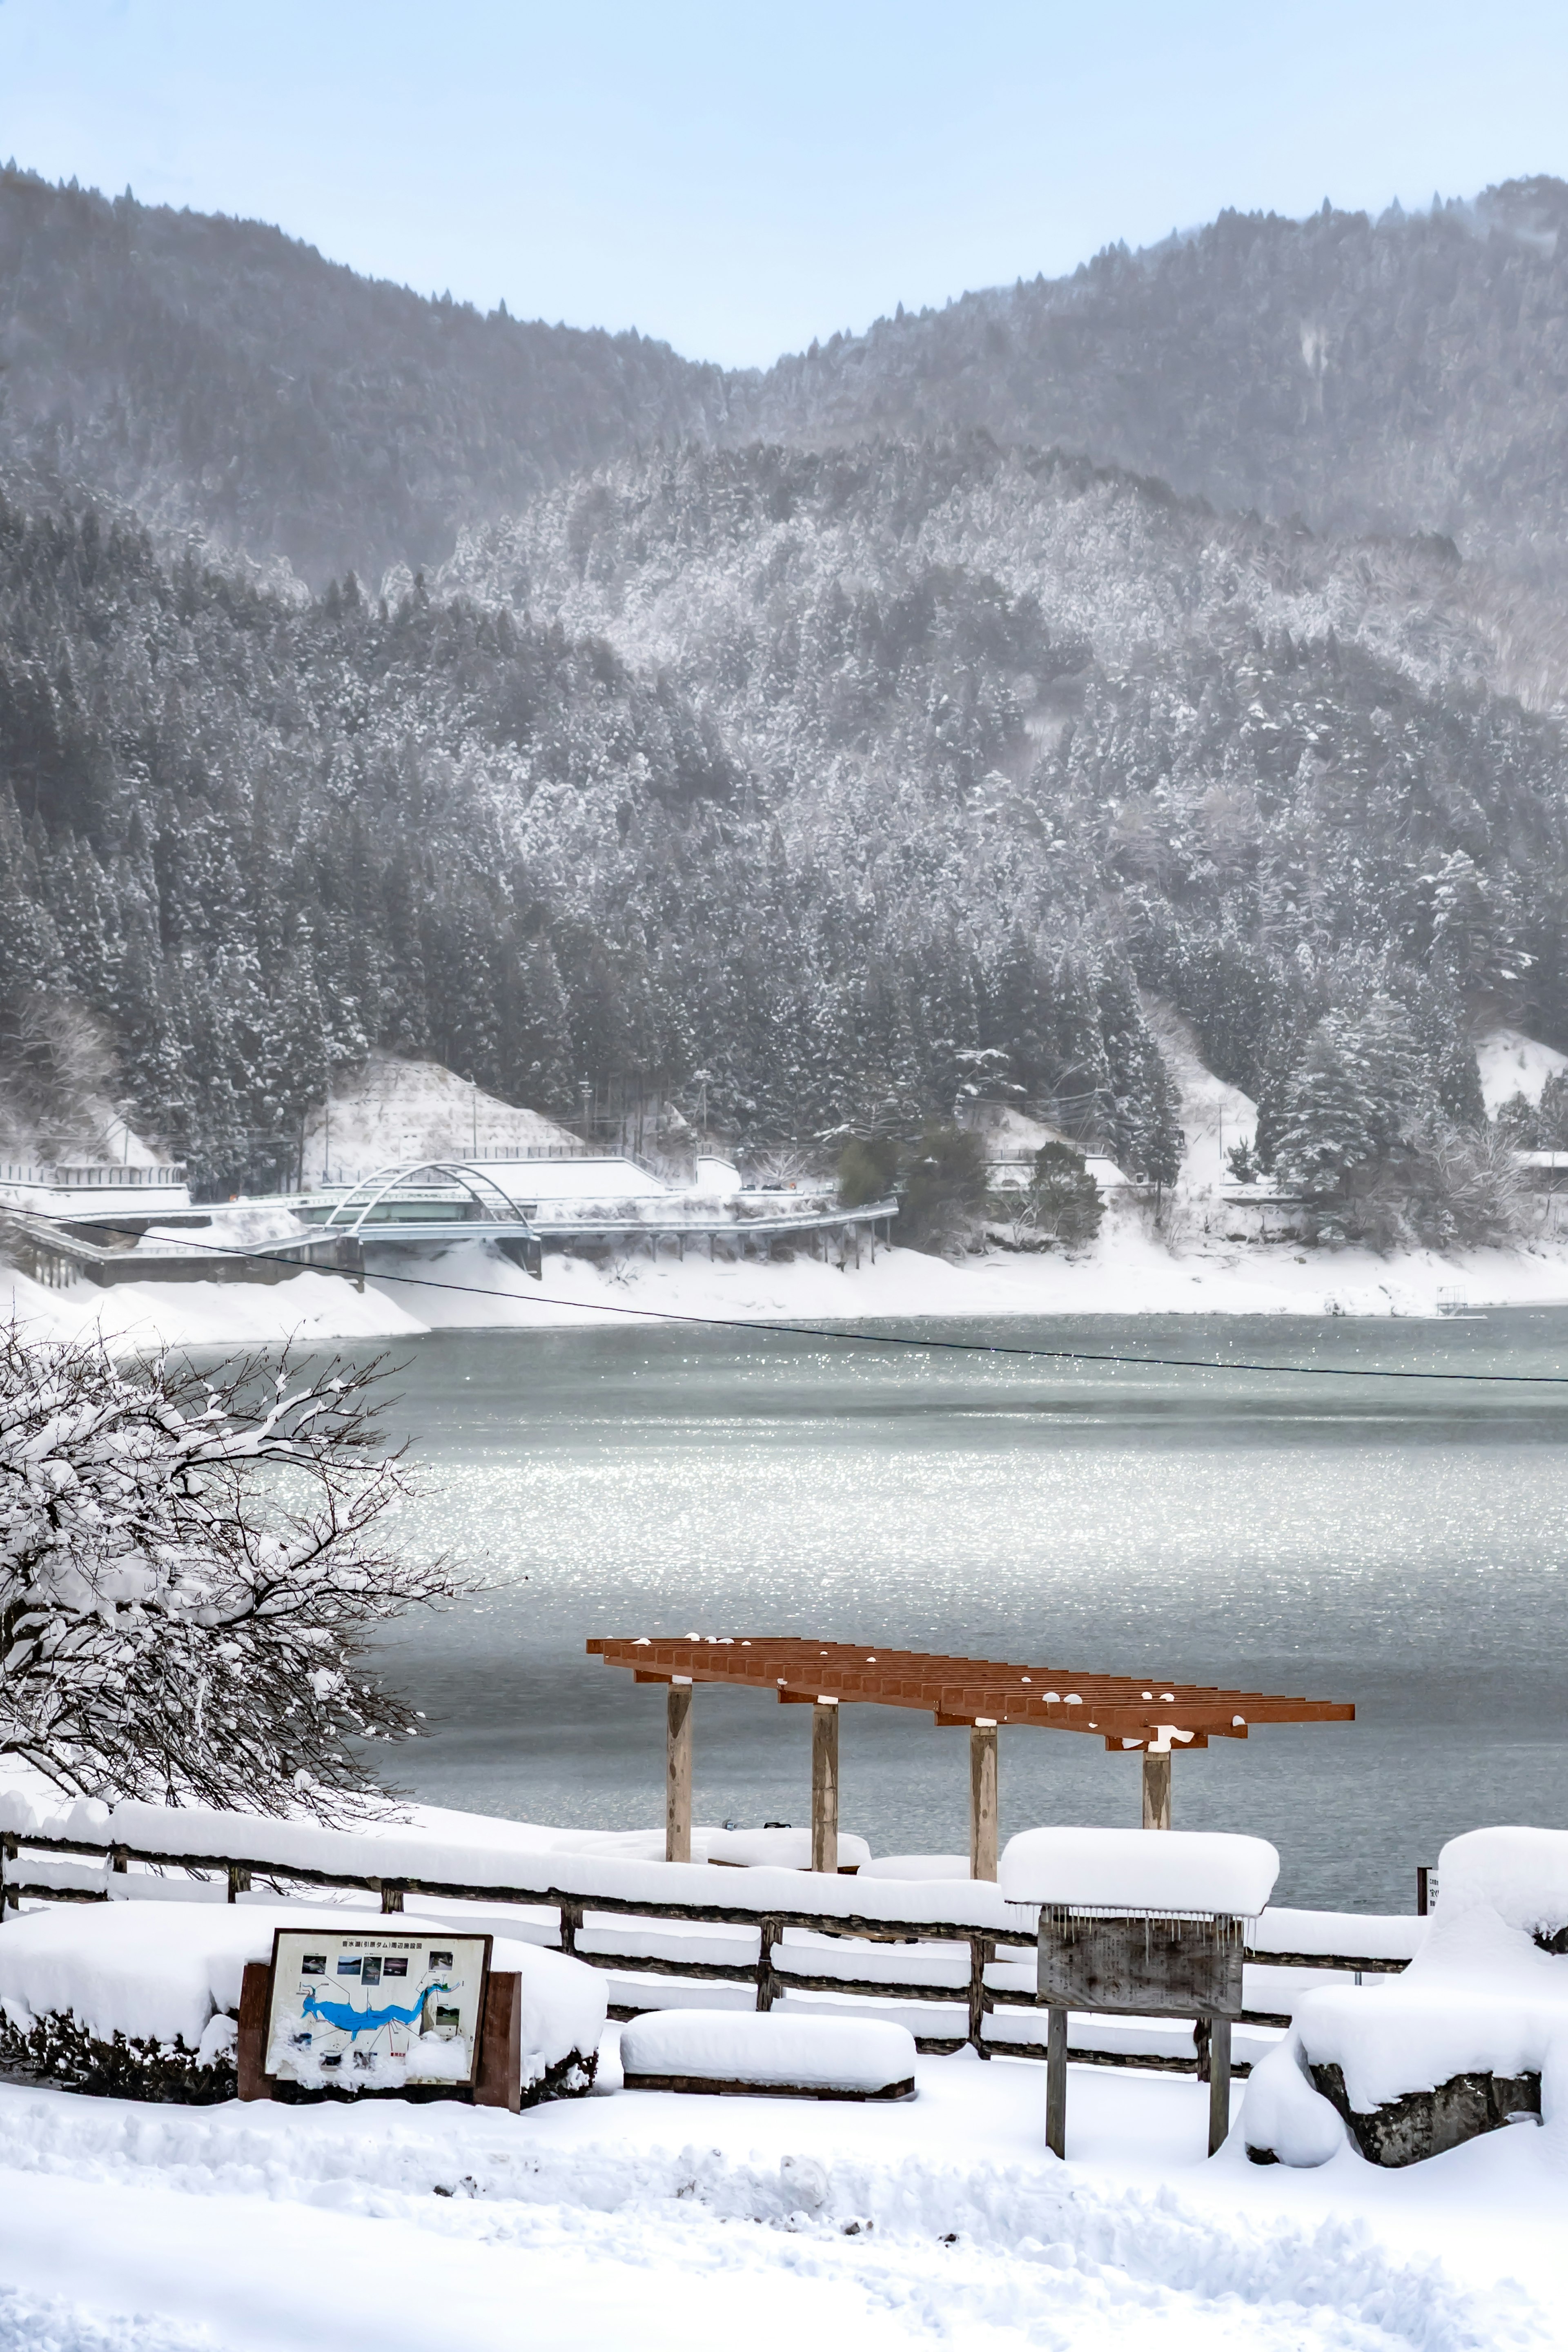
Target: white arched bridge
423,1202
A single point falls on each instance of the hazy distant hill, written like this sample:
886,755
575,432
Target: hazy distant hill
830,733
1404,374
215,373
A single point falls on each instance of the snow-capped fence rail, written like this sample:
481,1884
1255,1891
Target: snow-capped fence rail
974,1930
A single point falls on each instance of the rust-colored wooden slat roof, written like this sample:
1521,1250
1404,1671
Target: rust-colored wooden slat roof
1126,1710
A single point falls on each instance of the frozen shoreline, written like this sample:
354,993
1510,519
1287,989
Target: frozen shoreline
1128,1273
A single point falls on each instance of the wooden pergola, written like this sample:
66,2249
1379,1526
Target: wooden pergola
1128,1712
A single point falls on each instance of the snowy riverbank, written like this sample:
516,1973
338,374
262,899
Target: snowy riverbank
1128,1272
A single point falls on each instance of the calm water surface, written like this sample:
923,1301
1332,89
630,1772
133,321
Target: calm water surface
1394,1543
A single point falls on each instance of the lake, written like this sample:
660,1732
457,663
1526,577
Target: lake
1395,1543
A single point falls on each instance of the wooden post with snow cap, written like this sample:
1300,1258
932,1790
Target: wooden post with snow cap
678,1770
824,1784
982,1799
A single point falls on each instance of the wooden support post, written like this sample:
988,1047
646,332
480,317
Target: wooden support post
983,1801
571,1920
238,1880
7,1853
767,1936
677,1771
250,2042
981,1950
390,1898
824,1785
1156,1789
1057,2082
1220,2083
498,2078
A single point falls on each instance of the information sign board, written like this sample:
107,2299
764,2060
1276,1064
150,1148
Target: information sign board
376,2009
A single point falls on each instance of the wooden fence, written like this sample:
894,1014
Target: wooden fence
577,1914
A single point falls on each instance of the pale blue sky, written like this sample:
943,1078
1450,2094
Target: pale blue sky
737,178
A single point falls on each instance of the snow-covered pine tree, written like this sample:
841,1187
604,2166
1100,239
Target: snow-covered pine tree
189,1565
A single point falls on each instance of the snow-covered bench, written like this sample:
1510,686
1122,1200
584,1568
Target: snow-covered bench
1473,2032
714,2050
142,2000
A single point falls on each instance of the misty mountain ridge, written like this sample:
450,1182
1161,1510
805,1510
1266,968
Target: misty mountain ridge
836,731
1397,375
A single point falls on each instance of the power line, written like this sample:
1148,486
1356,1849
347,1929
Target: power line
854,1337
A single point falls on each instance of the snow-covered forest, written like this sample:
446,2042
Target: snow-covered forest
586,738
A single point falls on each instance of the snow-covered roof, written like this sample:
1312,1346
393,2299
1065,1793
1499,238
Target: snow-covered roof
1144,1870
1512,1064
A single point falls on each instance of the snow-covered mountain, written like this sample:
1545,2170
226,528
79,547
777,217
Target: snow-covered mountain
811,749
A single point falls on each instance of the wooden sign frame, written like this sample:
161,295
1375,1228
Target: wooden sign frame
1141,1964
494,2073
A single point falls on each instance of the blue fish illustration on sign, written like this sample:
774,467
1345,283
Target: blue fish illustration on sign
356,2022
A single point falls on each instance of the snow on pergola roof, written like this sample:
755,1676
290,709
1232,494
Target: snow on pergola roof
1127,1710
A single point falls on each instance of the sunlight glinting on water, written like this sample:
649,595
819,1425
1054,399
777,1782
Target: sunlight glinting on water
1396,1546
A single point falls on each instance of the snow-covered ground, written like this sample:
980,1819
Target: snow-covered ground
392,1110
648,2219
1130,1271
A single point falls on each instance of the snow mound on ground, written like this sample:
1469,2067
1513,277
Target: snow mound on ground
31,2324
958,2250
923,1866
1185,1869
720,2045
1285,2118
780,1849
1512,1064
162,1972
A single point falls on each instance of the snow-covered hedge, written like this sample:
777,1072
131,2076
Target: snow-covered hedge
140,2000
1476,2028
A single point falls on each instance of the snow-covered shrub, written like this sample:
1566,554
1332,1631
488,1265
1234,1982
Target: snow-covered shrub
138,2000
188,1565
1475,2030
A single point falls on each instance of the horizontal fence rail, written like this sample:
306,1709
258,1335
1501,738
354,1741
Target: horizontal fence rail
975,1951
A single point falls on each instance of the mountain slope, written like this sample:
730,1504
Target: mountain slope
215,374
1404,374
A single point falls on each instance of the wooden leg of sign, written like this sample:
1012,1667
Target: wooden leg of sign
1219,2084
1057,2082
824,1785
983,1801
498,2082
1156,1791
677,1774
250,2042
